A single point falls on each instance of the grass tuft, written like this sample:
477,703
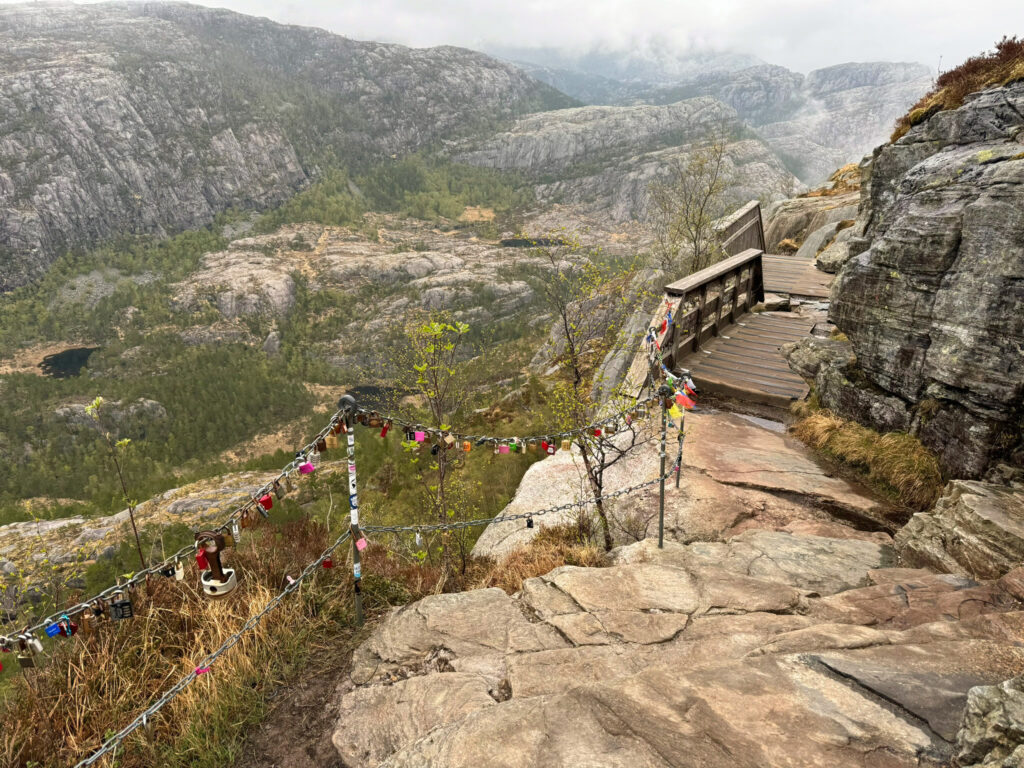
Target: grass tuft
1001,66
895,463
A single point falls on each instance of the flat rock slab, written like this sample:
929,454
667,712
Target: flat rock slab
929,681
671,658
732,450
815,563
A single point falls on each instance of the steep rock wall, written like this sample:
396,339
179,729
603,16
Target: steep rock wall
932,300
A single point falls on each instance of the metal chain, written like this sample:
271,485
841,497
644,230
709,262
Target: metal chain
112,743
142,575
524,515
589,428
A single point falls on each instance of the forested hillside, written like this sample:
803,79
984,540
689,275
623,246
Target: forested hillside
124,118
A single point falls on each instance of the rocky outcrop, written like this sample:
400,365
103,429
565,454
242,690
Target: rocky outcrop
657,661
931,297
976,529
602,159
153,117
992,735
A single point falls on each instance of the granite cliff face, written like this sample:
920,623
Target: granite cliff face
602,159
931,299
152,117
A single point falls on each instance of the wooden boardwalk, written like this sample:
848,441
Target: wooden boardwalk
795,276
745,361
712,333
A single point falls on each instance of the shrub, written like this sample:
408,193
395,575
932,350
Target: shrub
1002,66
896,463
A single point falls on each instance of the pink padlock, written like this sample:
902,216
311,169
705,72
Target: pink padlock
420,436
503,448
307,468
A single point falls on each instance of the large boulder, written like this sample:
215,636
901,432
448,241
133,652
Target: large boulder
976,529
932,306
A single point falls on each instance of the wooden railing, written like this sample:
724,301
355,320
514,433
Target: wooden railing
741,230
708,301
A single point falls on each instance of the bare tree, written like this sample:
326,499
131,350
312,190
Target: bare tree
684,206
588,300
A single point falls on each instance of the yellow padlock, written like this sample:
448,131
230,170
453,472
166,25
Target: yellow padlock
566,445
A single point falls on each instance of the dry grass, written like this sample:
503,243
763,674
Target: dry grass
552,547
895,462
93,685
842,181
1002,66
788,245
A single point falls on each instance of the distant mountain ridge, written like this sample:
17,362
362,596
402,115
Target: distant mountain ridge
128,117
815,122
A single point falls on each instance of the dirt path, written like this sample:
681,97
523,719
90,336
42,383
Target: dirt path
296,732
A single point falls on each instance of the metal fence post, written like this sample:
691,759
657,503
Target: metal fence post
661,485
353,502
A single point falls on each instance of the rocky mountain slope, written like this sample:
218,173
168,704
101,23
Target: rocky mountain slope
815,122
602,159
121,118
766,632
931,297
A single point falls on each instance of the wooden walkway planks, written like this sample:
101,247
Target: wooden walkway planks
796,276
745,361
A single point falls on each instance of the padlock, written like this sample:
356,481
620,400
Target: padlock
217,581
307,468
26,657
331,442
566,445
419,435
321,444
467,446
201,561
550,450
374,421
229,540
435,449
289,484
514,446
167,571
314,458
278,490
34,644
52,630
121,609
532,446
611,428
236,530
245,519
179,570
68,628
597,432
529,522
336,429
449,440
384,429
266,501
328,562
544,445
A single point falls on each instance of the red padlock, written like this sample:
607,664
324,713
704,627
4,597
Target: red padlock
385,428
266,501
201,561
328,562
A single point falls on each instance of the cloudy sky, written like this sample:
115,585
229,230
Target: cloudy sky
799,34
